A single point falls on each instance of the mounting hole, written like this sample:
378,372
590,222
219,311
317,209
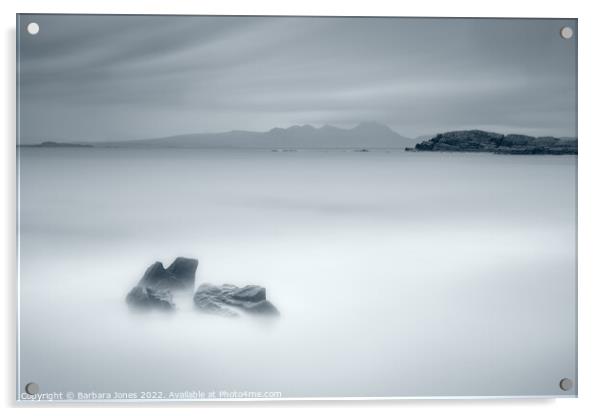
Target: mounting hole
566,384
32,388
566,32
33,28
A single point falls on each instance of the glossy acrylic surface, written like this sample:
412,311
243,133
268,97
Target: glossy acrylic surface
396,273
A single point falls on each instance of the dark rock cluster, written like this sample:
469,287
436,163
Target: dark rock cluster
155,288
483,141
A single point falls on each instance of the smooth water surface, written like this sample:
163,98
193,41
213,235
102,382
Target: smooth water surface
396,274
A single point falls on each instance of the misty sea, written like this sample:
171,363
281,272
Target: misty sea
395,273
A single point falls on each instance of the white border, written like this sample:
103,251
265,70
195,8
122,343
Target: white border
560,395
590,200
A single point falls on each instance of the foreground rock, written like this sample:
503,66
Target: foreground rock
180,275
154,290
230,300
483,141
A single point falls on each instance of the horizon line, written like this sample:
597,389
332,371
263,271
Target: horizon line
422,137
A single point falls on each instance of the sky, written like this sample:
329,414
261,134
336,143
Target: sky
96,78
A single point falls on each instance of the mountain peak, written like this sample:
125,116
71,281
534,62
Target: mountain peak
328,127
364,135
305,127
372,125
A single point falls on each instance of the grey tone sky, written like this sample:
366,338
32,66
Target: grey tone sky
130,77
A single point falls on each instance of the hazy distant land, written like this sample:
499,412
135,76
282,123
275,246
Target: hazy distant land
362,137
371,135
51,144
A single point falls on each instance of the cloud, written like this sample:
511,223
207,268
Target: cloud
114,77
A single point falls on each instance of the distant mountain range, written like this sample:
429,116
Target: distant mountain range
56,144
364,135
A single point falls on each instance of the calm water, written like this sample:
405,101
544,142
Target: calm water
395,273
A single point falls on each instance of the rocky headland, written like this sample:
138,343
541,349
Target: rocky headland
483,141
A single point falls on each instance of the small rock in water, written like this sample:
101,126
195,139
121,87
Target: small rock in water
180,275
229,300
184,271
154,290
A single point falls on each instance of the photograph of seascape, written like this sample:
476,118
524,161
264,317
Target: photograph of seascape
231,207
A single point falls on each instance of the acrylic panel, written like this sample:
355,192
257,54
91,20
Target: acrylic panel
269,208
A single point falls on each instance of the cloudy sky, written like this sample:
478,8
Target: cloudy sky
123,77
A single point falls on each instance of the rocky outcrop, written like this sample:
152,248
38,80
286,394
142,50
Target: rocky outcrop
154,290
230,300
483,141
180,275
